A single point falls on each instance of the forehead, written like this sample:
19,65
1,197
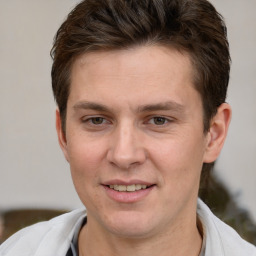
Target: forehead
145,73
151,57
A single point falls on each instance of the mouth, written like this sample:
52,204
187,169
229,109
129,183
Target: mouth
129,188
128,192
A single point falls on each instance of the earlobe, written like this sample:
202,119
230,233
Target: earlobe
61,135
217,133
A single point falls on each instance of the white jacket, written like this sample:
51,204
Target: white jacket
53,238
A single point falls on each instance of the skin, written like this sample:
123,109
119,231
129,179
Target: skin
134,116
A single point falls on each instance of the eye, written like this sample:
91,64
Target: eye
97,120
94,121
158,120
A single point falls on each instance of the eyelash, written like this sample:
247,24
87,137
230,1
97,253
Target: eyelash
91,120
152,121
160,118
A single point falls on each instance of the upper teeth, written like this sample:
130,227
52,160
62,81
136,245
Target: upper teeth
129,188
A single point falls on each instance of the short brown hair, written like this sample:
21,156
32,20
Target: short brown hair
193,26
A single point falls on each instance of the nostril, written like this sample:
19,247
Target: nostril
126,160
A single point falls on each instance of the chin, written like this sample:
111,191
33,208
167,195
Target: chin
130,225
131,232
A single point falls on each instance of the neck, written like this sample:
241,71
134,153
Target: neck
179,241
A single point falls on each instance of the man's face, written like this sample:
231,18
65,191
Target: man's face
134,139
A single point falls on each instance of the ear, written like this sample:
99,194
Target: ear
61,136
217,133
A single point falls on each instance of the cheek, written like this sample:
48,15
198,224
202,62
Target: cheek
85,161
179,159
85,155
85,165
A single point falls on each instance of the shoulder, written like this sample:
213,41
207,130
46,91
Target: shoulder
53,236
221,239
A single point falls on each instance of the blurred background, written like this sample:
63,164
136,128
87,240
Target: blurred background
33,172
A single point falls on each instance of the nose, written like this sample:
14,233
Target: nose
126,148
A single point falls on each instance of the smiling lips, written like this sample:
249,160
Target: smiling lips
128,192
129,188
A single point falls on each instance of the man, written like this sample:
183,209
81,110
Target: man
140,88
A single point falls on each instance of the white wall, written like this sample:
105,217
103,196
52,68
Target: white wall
237,163
33,172
32,169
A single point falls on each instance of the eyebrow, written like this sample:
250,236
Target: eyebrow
91,105
170,105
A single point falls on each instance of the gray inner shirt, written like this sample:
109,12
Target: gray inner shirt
73,249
